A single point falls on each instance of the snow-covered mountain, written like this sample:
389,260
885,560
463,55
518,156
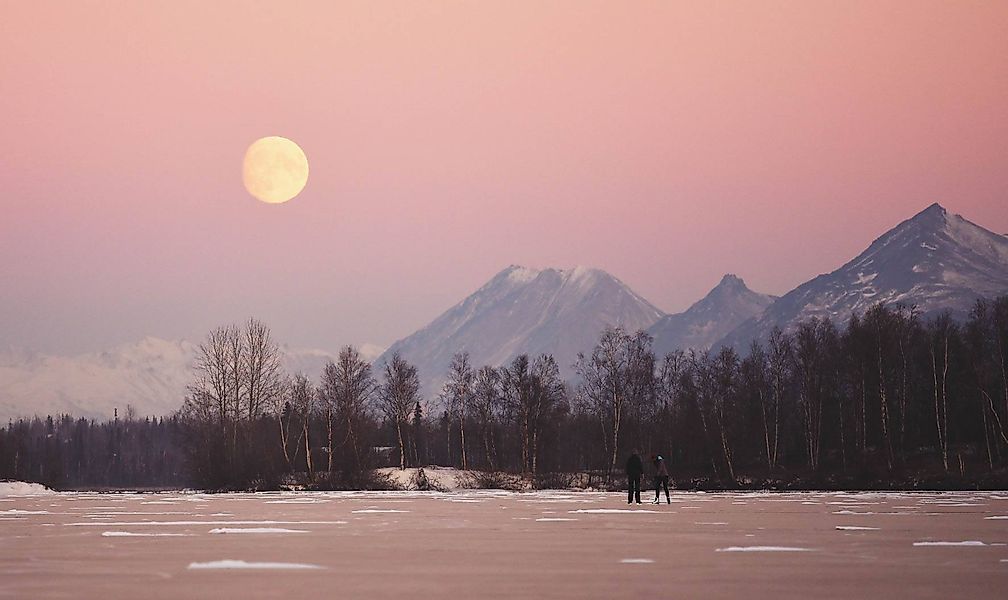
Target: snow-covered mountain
708,320
522,310
935,260
150,375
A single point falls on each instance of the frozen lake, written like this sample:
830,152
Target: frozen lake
477,544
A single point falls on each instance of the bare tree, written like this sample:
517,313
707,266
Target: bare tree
814,343
347,387
217,382
619,370
457,395
303,401
283,410
488,399
238,376
548,391
669,387
939,333
755,375
517,386
398,395
263,369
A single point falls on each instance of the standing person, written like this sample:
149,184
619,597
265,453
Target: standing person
661,479
634,471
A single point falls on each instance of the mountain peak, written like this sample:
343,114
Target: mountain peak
523,310
931,218
934,209
725,307
731,281
520,275
517,274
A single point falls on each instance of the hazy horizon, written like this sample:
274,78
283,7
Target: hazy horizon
668,145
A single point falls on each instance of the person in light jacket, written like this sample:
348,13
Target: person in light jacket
661,479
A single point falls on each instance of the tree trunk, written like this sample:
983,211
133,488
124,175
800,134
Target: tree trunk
945,432
990,457
402,446
937,407
724,445
776,435
766,429
885,409
283,440
462,439
616,428
843,442
903,403
488,447
329,432
535,451
307,447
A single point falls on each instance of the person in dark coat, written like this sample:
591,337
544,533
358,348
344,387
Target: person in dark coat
634,472
661,479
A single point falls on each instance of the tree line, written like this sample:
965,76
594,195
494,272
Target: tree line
886,399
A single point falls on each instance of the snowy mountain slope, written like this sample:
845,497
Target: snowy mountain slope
151,375
934,260
523,310
708,320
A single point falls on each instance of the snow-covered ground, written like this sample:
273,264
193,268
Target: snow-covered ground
494,543
440,478
20,488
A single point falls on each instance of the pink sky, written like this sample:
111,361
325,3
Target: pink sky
667,143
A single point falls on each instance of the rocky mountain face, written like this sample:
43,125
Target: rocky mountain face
707,321
522,310
935,260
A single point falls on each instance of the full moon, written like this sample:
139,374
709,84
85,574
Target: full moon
275,169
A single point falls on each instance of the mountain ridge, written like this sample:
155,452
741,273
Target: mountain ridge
725,307
935,260
151,375
524,310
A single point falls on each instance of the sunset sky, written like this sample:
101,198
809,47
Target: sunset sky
668,143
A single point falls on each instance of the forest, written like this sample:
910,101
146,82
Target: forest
886,400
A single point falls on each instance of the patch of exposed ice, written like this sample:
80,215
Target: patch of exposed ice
763,549
142,534
241,564
997,518
118,513
379,510
185,523
963,543
855,528
636,561
256,530
610,511
18,511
